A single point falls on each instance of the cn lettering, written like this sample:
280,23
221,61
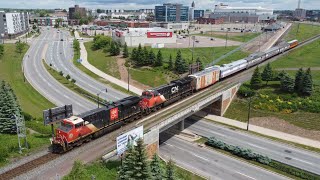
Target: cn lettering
174,89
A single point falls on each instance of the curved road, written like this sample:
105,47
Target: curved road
60,55
43,82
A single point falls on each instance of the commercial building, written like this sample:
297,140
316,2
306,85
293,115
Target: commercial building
300,14
203,20
194,14
50,21
243,14
75,13
171,13
173,26
198,14
13,24
118,23
144,36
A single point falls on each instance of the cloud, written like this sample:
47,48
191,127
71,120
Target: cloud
136,4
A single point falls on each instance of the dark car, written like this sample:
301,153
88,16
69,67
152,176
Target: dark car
61,39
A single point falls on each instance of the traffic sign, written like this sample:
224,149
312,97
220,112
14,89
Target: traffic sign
56,114
79,60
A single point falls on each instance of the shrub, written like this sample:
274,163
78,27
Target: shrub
68,77
245,91
61,73
27,117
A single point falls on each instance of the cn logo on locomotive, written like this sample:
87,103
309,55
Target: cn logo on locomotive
174,89
114,113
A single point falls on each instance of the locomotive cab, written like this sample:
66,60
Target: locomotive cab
150,99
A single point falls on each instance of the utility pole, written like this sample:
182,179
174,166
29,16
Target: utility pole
128,78
226,39
193,37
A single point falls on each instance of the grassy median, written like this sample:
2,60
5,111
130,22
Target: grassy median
302,31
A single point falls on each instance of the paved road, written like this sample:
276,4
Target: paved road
210,163
60,54
42,81
278,151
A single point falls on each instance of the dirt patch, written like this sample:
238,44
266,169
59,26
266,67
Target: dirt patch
124,74
283,126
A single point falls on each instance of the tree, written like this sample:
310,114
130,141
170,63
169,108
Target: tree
61,73
1,50
139,55
170,64
267,74
200,64
307,83
112,48
68,77
141,170
256,79
19,47
95,32
298,82
152,57
155,168
180,64
78,172
170,175
287,83
101,42
145,55
134,55
117,49
125,51
73,81
159,59
126,170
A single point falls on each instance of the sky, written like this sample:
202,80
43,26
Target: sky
139,4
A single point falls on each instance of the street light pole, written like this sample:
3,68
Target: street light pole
226,39
249,110
128,77
98,94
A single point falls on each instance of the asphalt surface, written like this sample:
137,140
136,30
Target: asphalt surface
211,164
44,83
60,55
281,152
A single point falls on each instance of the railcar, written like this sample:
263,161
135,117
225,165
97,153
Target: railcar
255,58
231,68
205,78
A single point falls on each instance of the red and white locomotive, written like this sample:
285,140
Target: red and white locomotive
75,130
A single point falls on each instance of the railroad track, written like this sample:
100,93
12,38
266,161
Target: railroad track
24,168
28,166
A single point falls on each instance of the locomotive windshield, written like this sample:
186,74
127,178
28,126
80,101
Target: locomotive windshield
65,127
147,95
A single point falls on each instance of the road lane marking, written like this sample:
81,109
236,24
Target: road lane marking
245,175
203,158
302,161
256,146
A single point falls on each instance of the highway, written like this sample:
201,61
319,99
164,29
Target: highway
43,82
275,150
60,55
209,163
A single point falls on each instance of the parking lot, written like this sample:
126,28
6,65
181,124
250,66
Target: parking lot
201,41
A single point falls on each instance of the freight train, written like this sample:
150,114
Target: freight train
76,130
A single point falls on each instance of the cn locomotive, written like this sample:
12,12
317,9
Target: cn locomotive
76,130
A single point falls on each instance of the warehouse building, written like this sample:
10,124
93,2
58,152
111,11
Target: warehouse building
155,37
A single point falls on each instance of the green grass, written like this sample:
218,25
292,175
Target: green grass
84,35
102,61
305,32
241,37
96,77
151,77
315,75
30,100
306,56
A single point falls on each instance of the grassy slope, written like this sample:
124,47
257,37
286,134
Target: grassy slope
306,56
241,37
306,31
31,102
102,61
10,70
158,76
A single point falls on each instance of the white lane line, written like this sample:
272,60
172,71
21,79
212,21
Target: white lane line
245,175
203,158
256,146
303,161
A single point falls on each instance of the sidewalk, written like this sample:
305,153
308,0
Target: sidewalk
86,64
261,130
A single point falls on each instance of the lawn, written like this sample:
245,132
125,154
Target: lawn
30,100
102,61
306,56
305,32
241,37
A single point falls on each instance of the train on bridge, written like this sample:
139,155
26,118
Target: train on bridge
76,130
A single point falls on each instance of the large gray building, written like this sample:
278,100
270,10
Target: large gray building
242,14
13,24
171,13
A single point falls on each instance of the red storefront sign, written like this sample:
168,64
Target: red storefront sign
159,34
114,114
